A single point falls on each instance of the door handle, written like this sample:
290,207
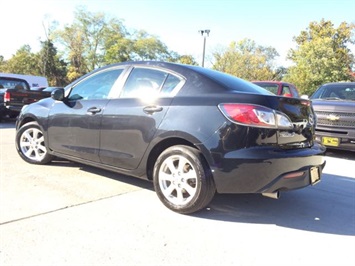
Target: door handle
152,109
93,110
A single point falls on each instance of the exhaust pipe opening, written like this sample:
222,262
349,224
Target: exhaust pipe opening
273,195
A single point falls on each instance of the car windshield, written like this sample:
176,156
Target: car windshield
336,92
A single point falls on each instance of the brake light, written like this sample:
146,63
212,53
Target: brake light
255,115
6,96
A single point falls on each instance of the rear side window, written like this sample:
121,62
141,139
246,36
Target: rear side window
286,91
145,82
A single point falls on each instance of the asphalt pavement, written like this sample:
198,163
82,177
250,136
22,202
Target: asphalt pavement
70,214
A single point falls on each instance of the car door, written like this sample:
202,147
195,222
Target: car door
130,122
74,123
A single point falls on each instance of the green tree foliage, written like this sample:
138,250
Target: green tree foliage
83,42
51,66
148,47
117,46
322,55
247,60
93,40
2,63
185,59
23,62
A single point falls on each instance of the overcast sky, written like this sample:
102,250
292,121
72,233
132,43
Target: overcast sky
177,22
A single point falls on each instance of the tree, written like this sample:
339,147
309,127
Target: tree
23,62
185,59
93,40
117,46
51,65
322,55
149,47
2,63
83,41
246,60
72,39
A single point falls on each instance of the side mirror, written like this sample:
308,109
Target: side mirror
58,94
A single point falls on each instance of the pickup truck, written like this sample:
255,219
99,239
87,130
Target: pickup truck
279,88
334,105
15,93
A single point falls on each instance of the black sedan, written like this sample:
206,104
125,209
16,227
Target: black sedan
191,130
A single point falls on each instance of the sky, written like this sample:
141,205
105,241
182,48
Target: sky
177,22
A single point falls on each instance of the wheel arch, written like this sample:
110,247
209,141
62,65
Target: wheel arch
25,120
160,147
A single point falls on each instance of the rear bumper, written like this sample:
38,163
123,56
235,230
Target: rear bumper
268,170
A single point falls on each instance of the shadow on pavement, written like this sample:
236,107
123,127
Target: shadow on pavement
142,183
7,124
327,208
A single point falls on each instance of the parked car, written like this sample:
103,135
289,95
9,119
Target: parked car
9,83
334,104
191,130
15,98
33,81
279,88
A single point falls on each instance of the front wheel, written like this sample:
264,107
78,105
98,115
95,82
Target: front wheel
30,144
183,180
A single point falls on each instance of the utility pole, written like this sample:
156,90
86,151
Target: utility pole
204,34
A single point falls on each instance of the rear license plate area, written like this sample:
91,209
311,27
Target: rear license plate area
315,175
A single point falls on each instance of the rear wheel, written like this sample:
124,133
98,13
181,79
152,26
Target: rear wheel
183,180
30,144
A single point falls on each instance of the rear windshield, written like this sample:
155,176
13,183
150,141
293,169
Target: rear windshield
9,83
274,88
231,82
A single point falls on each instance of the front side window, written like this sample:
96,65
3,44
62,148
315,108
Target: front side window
97,86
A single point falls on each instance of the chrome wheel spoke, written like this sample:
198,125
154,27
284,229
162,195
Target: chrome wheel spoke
168,191
29,152
177,180
32,144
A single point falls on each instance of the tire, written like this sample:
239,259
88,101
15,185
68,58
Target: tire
30,144
183,180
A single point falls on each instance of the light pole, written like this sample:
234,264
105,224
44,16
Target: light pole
204,33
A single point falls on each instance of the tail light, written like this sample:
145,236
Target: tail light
6,97
255,115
